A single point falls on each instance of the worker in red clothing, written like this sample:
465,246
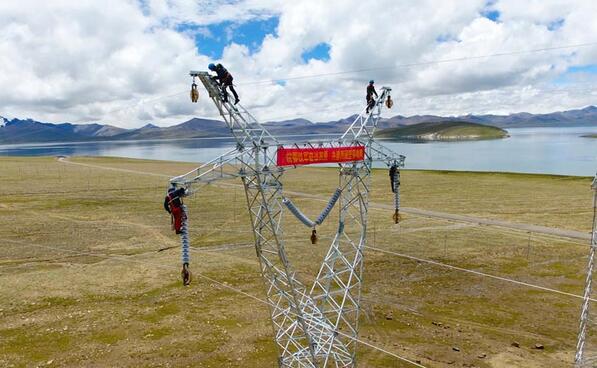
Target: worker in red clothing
370,92
173,205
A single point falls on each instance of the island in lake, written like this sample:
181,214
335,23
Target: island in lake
589,136
443,131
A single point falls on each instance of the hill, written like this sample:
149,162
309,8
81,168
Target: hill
303,126
194,128
580,117
29,130
443,131
24,131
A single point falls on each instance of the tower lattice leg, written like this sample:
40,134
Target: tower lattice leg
585,357
337,288
284,291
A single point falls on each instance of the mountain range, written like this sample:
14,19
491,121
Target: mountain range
29,131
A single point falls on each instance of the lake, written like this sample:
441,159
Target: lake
527,150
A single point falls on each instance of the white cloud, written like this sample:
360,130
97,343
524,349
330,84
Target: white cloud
203,12
113,61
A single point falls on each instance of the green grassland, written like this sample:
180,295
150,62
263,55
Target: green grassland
443,131
89,268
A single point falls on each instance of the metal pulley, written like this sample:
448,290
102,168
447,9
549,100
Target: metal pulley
186,275
389,102
397,216
194,92
314,236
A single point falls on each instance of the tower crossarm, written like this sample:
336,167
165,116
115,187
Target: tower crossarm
226,166
381,153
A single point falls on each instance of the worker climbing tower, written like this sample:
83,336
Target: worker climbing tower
587,357
315,325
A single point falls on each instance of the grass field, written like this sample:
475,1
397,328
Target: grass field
89,269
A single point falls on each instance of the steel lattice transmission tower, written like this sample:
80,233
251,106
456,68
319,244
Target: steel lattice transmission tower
585,357
317,325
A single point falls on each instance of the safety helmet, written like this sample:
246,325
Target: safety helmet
212,66
371,81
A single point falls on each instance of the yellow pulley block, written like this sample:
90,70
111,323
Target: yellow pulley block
397,217
194,93
186,274
314,236
389,102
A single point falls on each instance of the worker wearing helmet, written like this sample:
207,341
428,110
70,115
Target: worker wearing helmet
370,92
225,79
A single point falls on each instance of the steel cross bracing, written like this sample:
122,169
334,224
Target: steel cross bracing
315,328
584,357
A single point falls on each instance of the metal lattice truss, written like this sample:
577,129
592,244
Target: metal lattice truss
314,327
588,357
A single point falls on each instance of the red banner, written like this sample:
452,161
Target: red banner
306,156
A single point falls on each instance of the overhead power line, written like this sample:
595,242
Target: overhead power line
423,63
407,65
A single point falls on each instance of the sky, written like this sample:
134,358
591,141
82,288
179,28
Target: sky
126,63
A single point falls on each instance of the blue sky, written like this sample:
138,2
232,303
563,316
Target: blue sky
494,15
490,12
556,24
574,73
320,52
591,69
211,39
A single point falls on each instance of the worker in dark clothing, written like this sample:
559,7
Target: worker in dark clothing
393,170
370,92
173,205
225,79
